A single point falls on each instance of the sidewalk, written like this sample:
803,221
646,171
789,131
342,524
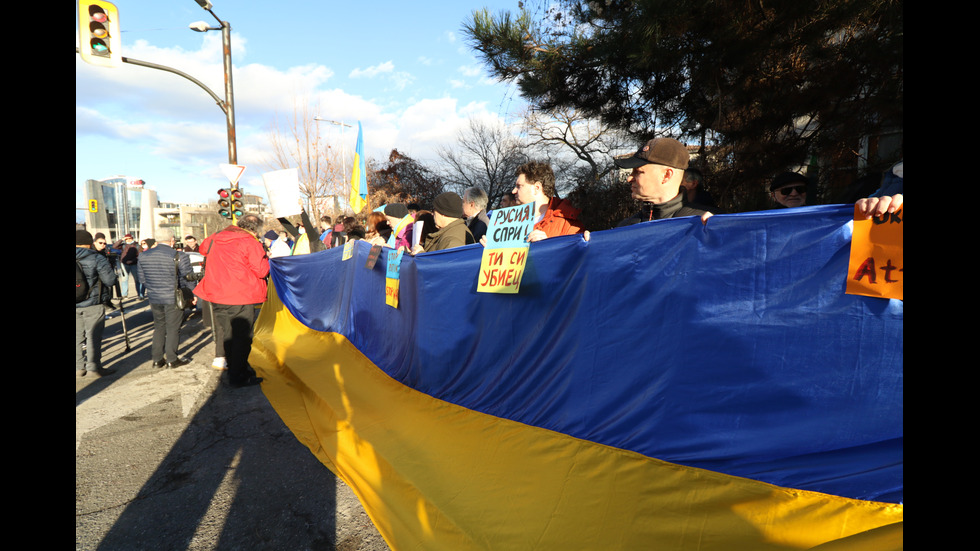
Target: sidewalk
176,459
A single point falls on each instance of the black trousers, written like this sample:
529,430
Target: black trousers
166,331
234,326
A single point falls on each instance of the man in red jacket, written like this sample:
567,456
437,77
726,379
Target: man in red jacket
235,269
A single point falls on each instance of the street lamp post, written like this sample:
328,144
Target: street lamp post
229,104
343,148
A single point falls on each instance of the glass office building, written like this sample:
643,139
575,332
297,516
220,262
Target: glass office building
117,206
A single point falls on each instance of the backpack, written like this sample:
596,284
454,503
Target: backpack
82,287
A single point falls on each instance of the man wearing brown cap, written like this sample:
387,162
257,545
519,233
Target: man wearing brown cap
447,210
658,170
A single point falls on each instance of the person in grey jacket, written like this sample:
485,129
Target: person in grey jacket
161,269
90,311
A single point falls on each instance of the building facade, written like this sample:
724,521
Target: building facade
121,205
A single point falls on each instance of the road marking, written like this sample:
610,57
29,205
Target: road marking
121,399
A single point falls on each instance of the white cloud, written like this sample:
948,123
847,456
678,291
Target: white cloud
373,71
140,109
470,70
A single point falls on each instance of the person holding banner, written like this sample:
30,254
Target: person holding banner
401,222
447,210
475,209
658,171
788,189
554,216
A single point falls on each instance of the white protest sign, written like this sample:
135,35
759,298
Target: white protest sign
282,187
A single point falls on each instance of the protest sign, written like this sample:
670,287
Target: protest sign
392,278
373,256
348,250
282,187
876,267
505,253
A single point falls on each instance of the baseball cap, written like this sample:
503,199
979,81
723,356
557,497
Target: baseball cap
661,151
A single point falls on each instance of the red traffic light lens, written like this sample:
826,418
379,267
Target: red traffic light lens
96,13
223,193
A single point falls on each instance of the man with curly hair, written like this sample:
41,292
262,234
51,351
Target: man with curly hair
554,216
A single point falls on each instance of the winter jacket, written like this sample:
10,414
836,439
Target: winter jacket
478,224
235,268
675,208
157,271
561,219
99,274
454,234
130,254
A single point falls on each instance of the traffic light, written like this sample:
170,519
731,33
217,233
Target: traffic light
98,33
230,203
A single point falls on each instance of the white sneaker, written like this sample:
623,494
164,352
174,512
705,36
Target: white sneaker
219,363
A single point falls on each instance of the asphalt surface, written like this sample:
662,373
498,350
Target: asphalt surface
175,459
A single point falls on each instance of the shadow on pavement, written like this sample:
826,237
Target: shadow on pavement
230,476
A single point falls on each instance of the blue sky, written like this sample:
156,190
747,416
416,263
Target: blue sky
401,69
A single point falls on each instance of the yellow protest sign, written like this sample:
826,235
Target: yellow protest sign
391,292
876,267
501,270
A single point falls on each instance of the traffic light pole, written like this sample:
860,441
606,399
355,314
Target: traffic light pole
226,106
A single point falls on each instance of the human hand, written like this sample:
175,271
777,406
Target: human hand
536,235
878,206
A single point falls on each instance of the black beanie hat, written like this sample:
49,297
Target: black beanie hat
83,237
396,210
448,204
787,178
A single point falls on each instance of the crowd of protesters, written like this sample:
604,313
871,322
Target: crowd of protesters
227,271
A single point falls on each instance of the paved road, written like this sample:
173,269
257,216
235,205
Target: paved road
174,459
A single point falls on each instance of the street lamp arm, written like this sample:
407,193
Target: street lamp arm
221,103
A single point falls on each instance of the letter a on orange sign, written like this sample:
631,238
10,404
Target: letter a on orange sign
876,267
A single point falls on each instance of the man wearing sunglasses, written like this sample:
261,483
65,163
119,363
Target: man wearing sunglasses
789,189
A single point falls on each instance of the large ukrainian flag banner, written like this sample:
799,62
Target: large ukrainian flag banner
663,386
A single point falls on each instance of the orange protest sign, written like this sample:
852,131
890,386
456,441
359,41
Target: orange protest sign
876,267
